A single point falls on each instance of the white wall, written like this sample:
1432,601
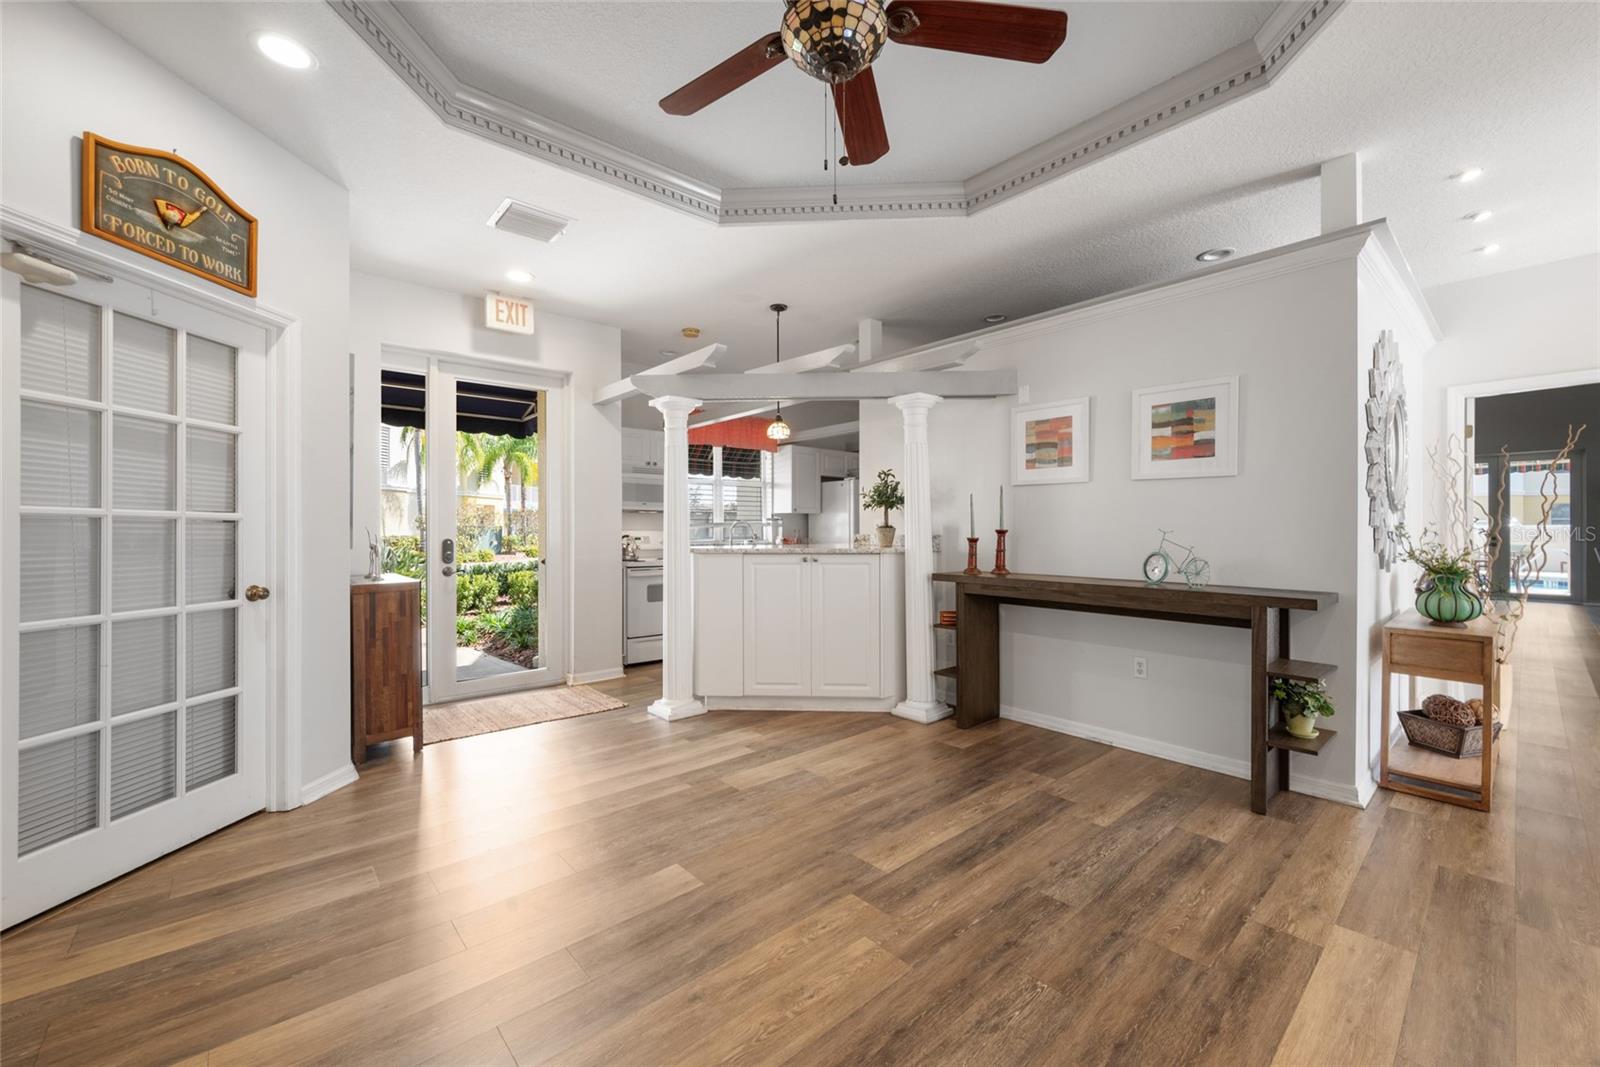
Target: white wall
1294,517
384,311
50,52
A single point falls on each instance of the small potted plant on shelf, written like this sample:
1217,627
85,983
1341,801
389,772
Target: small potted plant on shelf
1445,594
885,493
1301,704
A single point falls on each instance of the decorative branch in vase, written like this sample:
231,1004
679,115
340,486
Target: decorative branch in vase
885,493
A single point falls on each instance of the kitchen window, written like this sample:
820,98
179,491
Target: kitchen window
727,485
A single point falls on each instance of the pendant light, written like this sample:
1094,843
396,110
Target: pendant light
777,429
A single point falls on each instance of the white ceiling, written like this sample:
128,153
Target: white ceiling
602,67
1422,90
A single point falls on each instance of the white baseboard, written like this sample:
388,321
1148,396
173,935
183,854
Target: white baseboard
868,704
605,674
1340,792
335,779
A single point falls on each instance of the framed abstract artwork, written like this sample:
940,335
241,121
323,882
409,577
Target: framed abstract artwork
1050,442
1188,430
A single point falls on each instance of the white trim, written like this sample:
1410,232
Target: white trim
781,703
604,674
920,711
335,779
1339,792
1228,76
284,535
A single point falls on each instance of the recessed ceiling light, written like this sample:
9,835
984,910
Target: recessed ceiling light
1478,216
994,318
1212,255
521,277
1487,250
1471,174
285,51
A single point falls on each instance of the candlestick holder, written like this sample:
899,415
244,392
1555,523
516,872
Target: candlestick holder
972,557
1000,552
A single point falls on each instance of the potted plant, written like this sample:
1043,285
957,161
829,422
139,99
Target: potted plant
885,493
1445,594
1301,703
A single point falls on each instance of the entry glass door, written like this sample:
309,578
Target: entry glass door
488,526
133,541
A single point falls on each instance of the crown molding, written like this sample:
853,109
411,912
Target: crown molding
1224,78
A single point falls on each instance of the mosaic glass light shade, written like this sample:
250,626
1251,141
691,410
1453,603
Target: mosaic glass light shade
834,40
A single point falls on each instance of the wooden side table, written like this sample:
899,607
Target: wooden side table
385,662
1415,647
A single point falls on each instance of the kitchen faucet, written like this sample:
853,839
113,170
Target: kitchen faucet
749,532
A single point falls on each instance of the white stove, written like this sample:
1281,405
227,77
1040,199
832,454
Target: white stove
643,600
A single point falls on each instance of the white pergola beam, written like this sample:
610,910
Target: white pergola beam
951,355
818,433
826,359
720,388
700,359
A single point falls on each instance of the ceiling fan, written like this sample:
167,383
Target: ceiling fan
835,41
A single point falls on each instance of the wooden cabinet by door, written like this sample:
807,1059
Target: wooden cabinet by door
844,626
777,625
385,662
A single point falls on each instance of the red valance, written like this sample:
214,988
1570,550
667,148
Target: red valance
748,432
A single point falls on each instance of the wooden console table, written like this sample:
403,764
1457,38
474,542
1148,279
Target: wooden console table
1417,648
1264,612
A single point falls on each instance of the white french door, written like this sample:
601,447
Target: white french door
486,642
133,531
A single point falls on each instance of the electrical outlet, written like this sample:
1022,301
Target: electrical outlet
938,543
1141,668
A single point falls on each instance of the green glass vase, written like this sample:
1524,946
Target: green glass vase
1445,601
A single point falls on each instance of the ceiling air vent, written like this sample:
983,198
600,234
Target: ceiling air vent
514,216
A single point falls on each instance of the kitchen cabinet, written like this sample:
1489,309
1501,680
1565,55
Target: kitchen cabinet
784,628
796,481
839,464
778,626
643,451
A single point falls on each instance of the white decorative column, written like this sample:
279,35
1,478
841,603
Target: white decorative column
677,623
921,703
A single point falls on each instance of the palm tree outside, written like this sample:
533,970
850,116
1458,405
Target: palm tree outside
484,455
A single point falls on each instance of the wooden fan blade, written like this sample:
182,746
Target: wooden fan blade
861,118
1002,31
745,65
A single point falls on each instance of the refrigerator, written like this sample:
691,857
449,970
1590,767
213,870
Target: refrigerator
840,518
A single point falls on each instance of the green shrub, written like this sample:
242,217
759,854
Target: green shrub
403,555
518,625
477,555
502,571
476,592
522,587
468,630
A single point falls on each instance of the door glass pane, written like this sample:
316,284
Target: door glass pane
60,456
60,566
59,679
209,390
211,471
211,745
58,791
209,562
60,344
144,763
144,563
144,663
143,462
213,652
143,358
498,530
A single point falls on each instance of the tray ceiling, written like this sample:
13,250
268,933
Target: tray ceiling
577,84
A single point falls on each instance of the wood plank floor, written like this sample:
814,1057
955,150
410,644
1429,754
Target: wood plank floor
851,889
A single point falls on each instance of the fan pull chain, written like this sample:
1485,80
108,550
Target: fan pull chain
825,105
836,151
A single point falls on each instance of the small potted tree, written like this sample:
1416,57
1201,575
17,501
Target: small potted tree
885,493
1301,704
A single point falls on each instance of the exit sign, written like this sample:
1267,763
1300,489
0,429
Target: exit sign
509,313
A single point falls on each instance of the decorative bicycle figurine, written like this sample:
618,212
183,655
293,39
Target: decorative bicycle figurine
1158,565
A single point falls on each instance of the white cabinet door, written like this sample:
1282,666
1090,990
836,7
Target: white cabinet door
635,449
777,625
655,452
797,481
719,632
844,626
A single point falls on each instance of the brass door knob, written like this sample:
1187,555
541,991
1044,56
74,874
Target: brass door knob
257,592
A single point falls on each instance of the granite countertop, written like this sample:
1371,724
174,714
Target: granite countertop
800,550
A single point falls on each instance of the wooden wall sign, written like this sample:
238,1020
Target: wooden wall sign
165,207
